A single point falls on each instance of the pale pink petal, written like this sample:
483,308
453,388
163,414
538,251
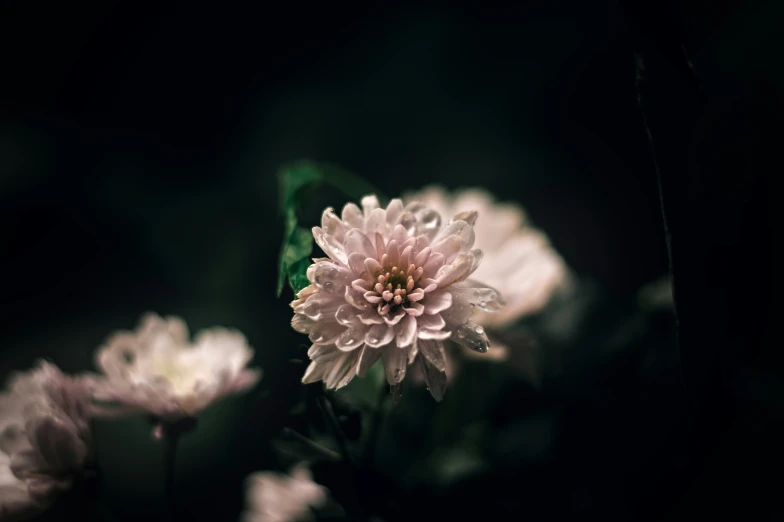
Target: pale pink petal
330,245
394,363
437,301
405,331
351,338
379,335
352,216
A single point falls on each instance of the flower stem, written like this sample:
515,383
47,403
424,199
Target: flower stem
355,508
171,438
375,427
171,432
329,413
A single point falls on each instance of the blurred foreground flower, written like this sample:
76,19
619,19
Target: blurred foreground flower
45,439
157,370
394,287
518,259
276,497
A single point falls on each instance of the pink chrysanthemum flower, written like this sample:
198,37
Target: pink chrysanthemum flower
395,285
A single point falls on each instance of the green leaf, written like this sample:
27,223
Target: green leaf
298,241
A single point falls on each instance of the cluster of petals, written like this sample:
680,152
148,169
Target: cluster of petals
278,497
519,259
45,439
157,370
393,287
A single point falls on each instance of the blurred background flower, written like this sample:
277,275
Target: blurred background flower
279,497
157,370
45,439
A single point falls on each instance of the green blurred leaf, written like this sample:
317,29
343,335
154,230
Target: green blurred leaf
363,392
298,241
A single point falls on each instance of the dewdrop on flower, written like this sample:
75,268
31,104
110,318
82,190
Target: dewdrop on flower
394,286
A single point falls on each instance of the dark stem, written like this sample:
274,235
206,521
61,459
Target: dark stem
315,446
355,508
329,413
171,432
171,438
375,427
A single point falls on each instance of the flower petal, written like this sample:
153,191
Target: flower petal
341,373
319,306
449,247
325,332
367,359
394,210
315,372
431,322
352,216
469,216
455,272
433,351
356,261
372,266
369,204
435,380
371,317
437,301
458,313
438,335
330,245
460,229
356,299
479,295
332,224
323,353
379,335
394,363
433,263
357,241
392,254
415,309
302,323
400,234
405,332
330,278
422,257
376,222
395,317
472,336
347,315
351,338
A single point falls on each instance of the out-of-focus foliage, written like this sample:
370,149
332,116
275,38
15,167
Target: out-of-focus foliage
295,181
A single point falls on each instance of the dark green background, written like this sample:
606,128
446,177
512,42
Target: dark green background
138,151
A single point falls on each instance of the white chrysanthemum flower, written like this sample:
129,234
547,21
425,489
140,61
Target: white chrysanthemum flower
276,497
395,285
518,258
156,369
45,439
